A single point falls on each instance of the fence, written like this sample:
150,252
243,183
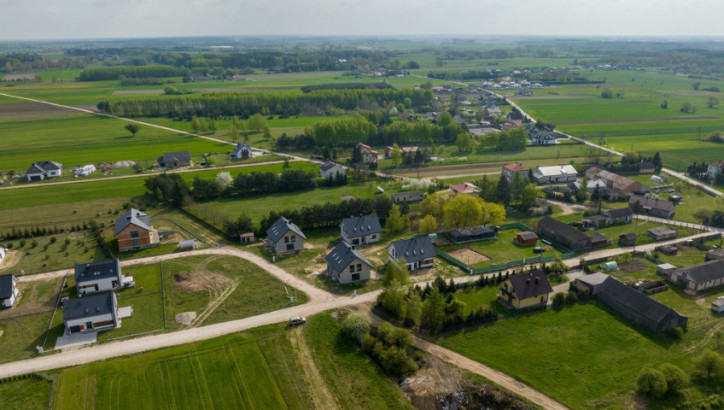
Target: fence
492,268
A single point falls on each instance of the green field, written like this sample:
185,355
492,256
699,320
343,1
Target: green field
221,288
571,354
226,373
25,394
501,249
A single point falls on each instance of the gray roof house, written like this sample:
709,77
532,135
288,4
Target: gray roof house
418,252
346,264
40,170
8,290
407,196
91,313
98,277
285,236
133,230
331,170
360,230
564,234
242,151
174,159
611,217
651,206
696,278
637,307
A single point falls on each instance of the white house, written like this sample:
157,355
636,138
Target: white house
85,170
554,174
331,170
91,313
346,264
285,236
38,171
8,290
100,277
242,151
510,170
418,252
2,254
714,169
360,230
718,305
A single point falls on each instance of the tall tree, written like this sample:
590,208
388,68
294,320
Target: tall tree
462,211
395,221
396,155
502,192
133,128
433,311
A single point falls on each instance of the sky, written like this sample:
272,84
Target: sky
78,19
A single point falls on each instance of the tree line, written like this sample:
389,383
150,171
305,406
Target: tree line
115,73
227,104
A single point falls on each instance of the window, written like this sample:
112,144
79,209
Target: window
135,242
355,276
351,268
359,267
293,238
286,239
135,234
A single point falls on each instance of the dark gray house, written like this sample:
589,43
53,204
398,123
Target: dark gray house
40,170
99,277
564,234
408,196
360,230
696,278
174,159
91,313
639,308
346,264
418,252
285,236
651,206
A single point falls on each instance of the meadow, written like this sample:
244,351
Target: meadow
225,373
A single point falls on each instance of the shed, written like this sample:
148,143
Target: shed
714,254
525,238
661,233
718,305
187,245
665,268
609,266
598,240
246,237
628,239
469,235
590,282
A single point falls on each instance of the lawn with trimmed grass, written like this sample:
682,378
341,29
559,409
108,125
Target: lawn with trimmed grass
21,335
222,288
501,249
220,373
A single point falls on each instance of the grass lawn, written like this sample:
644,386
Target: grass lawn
501,249
352,378
25,394
21,335
256,207
221,288
639,227
229,372
584,356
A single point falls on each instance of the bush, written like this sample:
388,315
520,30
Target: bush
651,382
356,325
559,299
710,365
677,333
676,379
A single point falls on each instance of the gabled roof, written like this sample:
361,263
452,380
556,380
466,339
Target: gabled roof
705,272
241,146
92,305
184,156
280,228
527,235
414,249
661,231
530,285
619,213
635,301
593,279
342,255
408,195
361,225
556,170
562,229
87,272
515,167
42,167
6,286
651,203
133,217
328,165
464,188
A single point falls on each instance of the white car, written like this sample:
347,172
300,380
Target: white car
297,320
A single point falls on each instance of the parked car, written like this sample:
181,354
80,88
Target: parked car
297,320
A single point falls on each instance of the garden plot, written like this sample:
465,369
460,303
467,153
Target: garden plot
468,256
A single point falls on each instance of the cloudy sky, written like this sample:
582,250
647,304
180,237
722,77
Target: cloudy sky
71,19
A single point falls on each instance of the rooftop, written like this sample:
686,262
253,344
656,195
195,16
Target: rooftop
87,306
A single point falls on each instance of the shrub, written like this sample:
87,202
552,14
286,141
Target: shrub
356,325
651,382
677,333
710,365
559,299
572,298
676,379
